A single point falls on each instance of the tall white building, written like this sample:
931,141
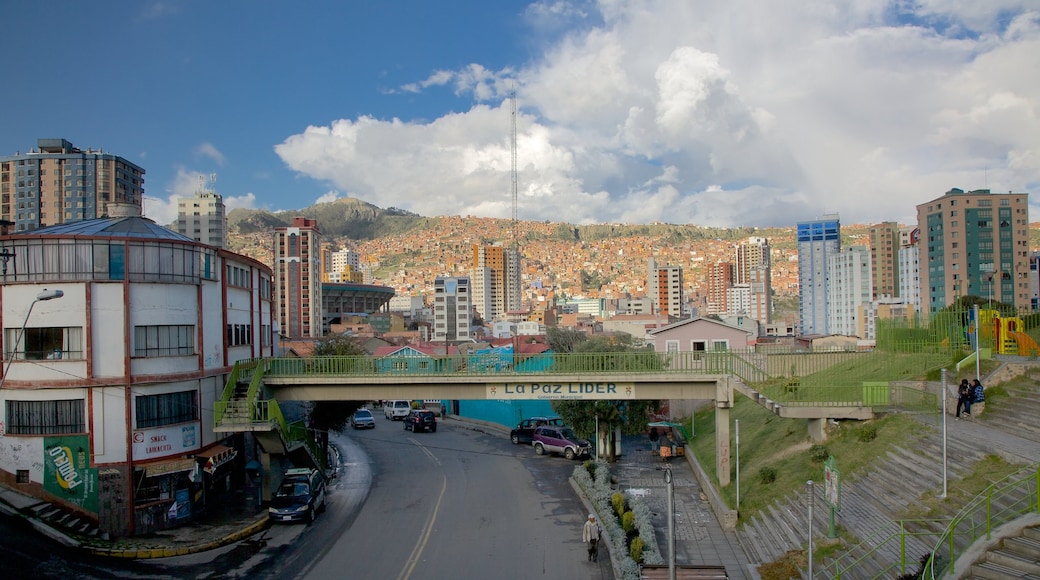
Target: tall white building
452,309
850,289
496,281
909,267
202,218
817,241
665,288
751,268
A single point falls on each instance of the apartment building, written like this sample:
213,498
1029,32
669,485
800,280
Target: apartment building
884,240
665,288
56,182
496,281
849,290
974,243
452,309
817,240
202,218
297,264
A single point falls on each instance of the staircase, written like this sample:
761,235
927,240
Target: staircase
1017,413
1015,557
72,524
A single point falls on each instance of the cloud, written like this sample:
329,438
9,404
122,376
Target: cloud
210,151
684,113
185,184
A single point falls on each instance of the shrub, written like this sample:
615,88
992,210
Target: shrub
628,522
590,466
767,475
635,549
618,502
818,453
867,433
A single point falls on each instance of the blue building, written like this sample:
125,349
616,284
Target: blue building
817,241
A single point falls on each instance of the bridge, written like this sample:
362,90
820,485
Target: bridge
250,399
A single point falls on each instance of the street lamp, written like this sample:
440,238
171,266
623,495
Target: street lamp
45,295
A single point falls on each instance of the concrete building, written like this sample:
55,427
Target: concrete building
884,240
974,243
817,241
909,268
109,390
849,290
297,264
720,280
496,281
665,288
55,183
452,309
752,268
202,218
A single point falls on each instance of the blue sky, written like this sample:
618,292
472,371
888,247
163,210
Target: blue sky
748,112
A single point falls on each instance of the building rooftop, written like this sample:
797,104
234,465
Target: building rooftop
113,227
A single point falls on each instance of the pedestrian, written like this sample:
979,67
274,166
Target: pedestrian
964,396
655,439
978,393
590,534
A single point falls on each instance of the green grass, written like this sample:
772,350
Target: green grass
986,472
769,442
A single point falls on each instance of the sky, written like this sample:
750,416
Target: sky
738,113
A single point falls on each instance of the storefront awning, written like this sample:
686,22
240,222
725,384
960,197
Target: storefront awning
168,467
215,457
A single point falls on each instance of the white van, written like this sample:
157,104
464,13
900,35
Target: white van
396,410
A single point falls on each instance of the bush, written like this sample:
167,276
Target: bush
628,522
867,433
635,549
766,475
818,453
590,466
618,502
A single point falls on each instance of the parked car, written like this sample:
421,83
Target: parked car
300,496
363,419
563,440
396,410
421,420
524,431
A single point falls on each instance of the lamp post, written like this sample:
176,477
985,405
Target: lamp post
44,295
671,521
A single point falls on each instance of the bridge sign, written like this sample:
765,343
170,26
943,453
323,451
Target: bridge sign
571,391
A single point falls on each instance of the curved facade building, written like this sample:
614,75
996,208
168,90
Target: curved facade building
108,390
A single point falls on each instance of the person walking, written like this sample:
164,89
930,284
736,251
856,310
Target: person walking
590,534
964,396
655,439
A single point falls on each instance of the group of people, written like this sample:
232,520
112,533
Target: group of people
969,394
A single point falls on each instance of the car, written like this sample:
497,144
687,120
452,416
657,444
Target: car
299,497
396,410
562,440
421,420
362,419
524,431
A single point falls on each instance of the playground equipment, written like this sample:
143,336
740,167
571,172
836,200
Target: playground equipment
1007,334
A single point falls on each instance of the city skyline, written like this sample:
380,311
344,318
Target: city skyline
630,113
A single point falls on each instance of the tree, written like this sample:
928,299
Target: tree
333,415
607,415
563,340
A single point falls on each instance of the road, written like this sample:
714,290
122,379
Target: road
457,503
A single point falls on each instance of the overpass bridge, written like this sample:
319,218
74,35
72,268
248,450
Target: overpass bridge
250,399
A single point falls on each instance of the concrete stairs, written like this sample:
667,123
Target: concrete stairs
870,502
68,522
1016,414
1014,557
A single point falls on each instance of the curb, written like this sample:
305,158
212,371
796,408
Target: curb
148,553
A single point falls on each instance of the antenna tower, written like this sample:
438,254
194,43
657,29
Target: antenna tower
513,173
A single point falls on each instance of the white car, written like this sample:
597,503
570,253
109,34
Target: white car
396,410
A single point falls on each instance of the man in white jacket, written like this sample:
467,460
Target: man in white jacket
590,535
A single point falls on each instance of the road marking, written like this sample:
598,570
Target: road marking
420,545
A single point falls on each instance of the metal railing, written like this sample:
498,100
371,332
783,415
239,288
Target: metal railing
1000,503
885,540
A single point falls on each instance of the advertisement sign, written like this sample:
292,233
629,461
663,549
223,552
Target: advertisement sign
165,441
551,391
67,472
832,484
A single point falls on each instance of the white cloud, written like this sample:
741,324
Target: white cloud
328,197
687,113
210,151
185,184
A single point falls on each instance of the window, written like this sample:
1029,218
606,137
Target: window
45,343
239,334
166,409
172,340
45,417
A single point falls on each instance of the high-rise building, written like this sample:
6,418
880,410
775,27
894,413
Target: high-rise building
752,268
202,218
884,241
297,271
974,243
909,268
720,280
817,241
848,290
57,183
452,309
496,281
665,288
